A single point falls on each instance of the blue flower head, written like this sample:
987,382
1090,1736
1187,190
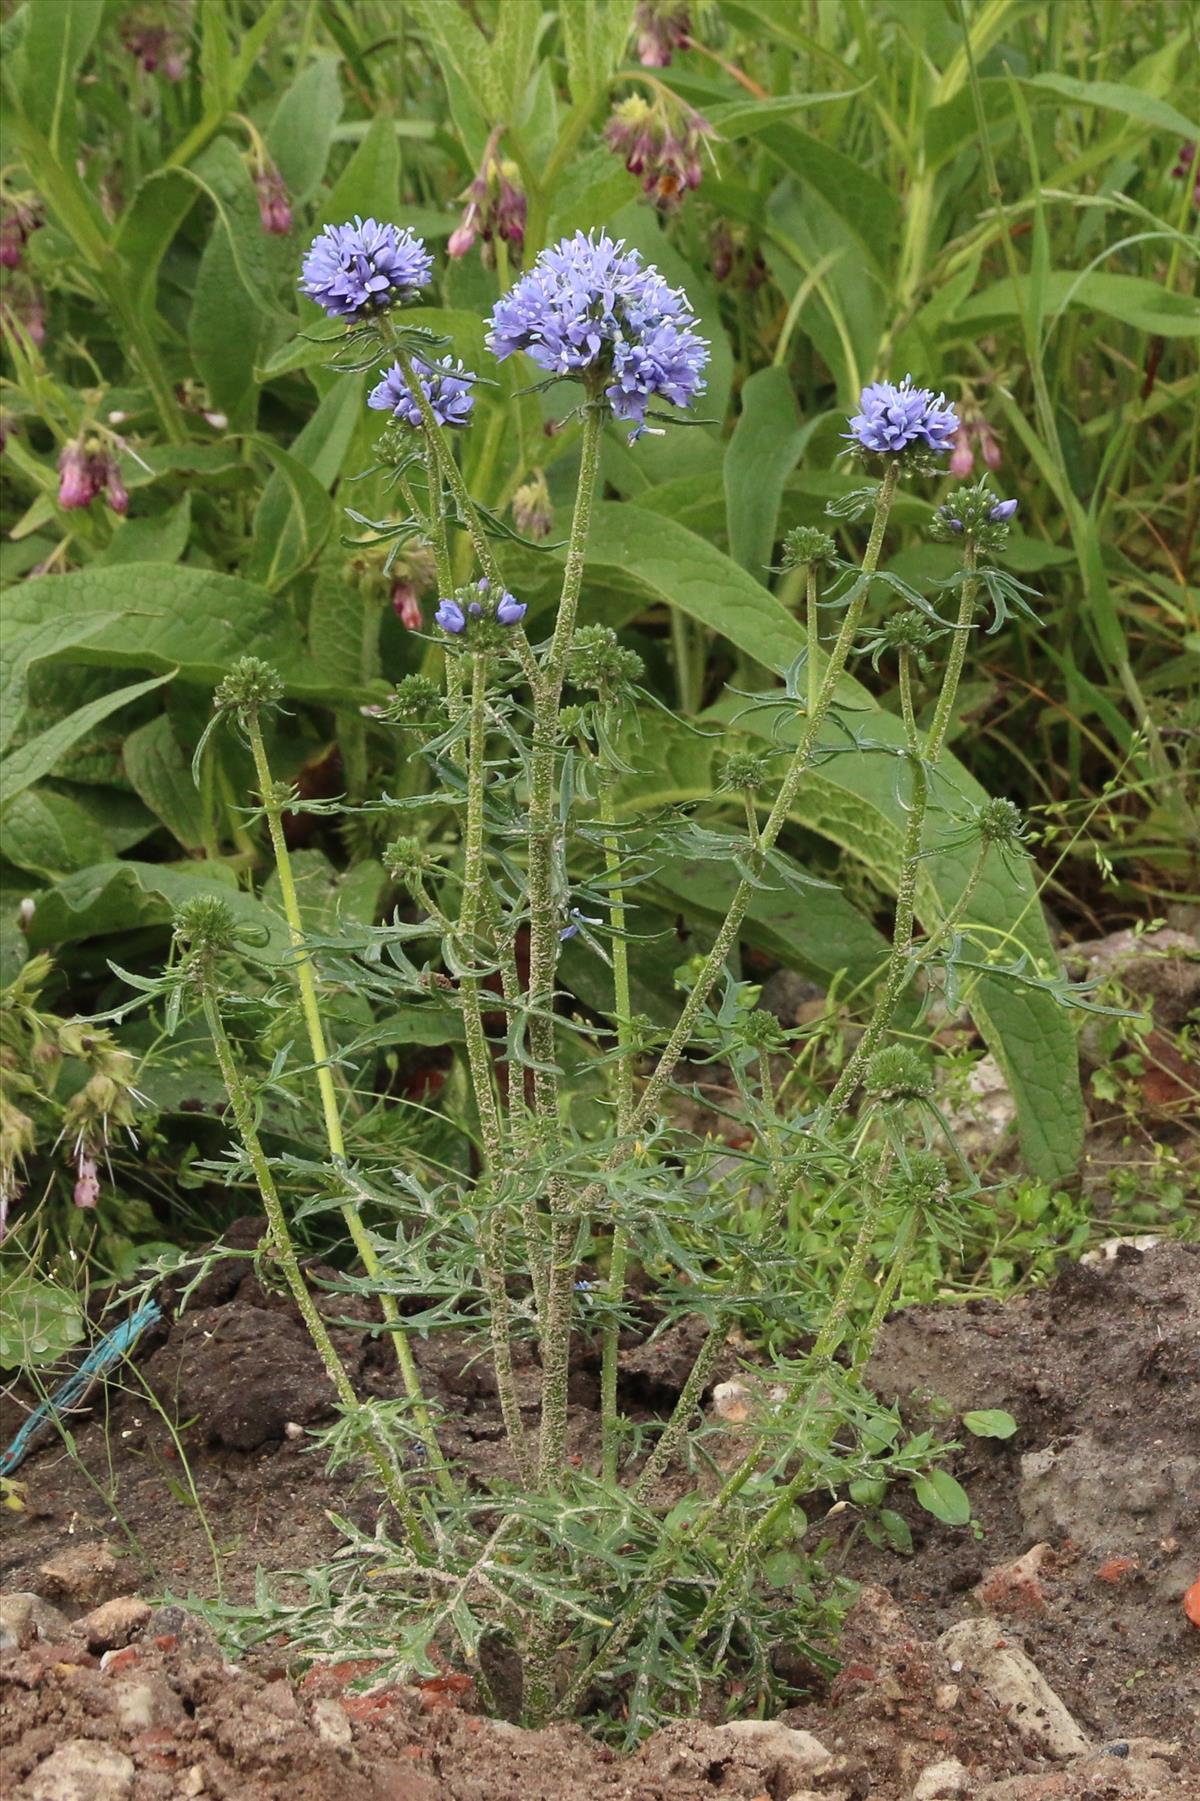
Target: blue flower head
364,267
447,387
590,308
473,606
894,416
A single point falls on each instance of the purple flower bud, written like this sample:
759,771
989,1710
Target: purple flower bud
989,447
87,1187
962,457
77,483
406,606
1002,511
510,611
450,617
568,931
462,239
273,208
115,491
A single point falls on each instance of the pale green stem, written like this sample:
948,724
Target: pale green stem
281,1239
802,757
543,950
623,1015
812,621
492,1249
302,973
899,964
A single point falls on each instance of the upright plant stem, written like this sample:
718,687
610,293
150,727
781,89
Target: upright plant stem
922,761
623,1010
492,1249
302,973
285,1250
656,1087
812,626
543,953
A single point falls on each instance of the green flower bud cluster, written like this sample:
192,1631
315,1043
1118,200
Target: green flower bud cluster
973,514
251,686
759,1030
805,545
409,861
744,771
898,1074
1000,822
417,700
599,661
925,1184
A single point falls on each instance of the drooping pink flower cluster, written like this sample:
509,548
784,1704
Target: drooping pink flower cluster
974,436
156,46
274,205
662,26
1187,164
495,208
84,471
19,220
660,144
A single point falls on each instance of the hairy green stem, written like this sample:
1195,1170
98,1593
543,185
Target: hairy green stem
623,1016
922,761
543,954
802,757
303,975
494,1235
281,1240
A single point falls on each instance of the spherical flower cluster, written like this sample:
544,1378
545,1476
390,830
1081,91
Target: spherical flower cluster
475,603
974,513
446,386
806,544
893,416
589,308
364,267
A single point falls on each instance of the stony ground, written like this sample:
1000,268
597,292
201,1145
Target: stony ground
1046,1653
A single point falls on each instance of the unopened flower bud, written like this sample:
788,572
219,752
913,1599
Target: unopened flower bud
77,485
87,1186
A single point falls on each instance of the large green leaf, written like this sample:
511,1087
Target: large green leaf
57,38
166,617
301,130
871,210
121,897
37,756
51,834
160,775
854,800
1131,299
21,646
766,444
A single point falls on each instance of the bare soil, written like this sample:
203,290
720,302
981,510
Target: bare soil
1100,1369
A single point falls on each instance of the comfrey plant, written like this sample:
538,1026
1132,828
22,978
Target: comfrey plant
625,1572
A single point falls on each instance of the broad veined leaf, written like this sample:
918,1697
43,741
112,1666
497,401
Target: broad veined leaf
37,756
167,617
766,444
301,129
160,775
51,834
22,647
369,185
160,538
121,897
857,802
56,40
294,517
871,210
1132,300
595,33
